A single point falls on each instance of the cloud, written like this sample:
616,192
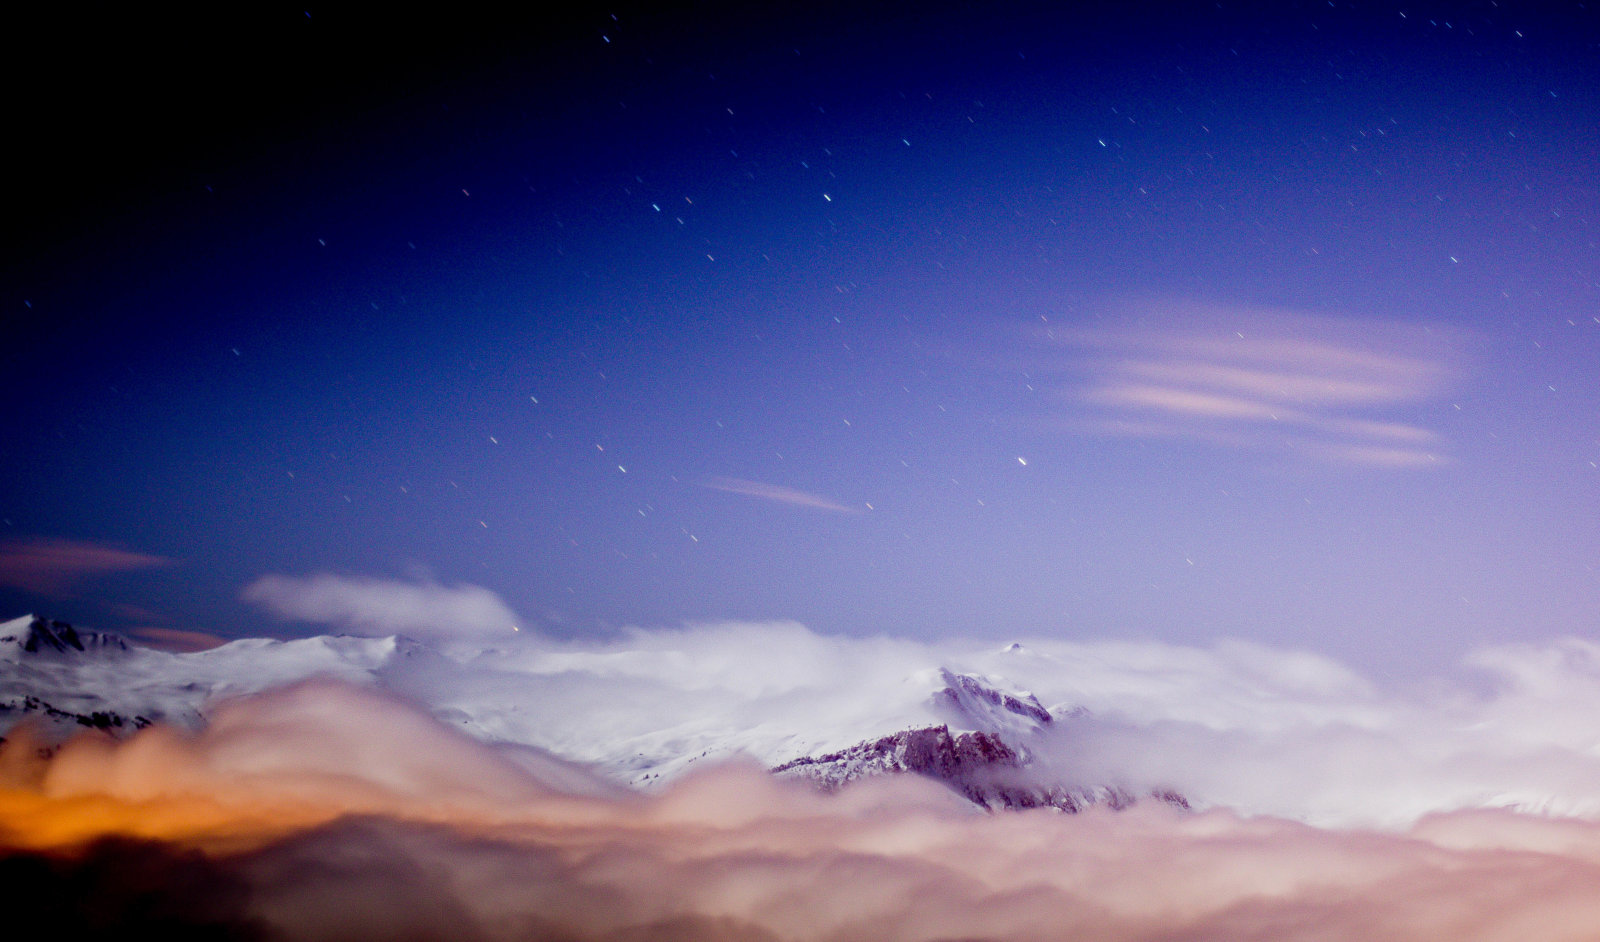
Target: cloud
778,493
177,639
377,607
53,566
1257,729
1338,391
329,812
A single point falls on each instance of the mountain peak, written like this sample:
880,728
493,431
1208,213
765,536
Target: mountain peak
979,766
932,751
976,703
34,635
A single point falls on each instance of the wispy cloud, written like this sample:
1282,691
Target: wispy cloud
53,566
177,639
776,492
368,606
1331,390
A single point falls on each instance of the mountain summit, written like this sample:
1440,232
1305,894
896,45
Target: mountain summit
33,635
989,765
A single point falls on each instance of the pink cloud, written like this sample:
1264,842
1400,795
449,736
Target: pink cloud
177,639
778,493
1311,386
1185,401
53,566
1279,384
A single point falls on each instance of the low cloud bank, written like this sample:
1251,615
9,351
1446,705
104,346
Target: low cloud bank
378,607
326,811
1245,727
1257,729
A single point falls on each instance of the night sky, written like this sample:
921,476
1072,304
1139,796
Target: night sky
1169,321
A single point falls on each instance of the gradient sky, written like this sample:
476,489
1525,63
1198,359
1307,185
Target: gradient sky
1175,321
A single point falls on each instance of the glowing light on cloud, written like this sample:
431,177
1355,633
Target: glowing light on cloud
326,811
1257,729
778,493
1323,388
378,607
54,566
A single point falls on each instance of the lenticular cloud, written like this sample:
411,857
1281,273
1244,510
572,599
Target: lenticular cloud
328,811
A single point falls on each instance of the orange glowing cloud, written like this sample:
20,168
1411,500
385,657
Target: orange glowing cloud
326,811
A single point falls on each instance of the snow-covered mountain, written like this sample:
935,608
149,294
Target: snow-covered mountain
987,760
64,678
603,709
30,635
979,766
1263,731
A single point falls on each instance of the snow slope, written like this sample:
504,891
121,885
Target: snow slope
67,674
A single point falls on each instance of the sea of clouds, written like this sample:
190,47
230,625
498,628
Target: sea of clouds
474,787
1256,729
1234,724
328,810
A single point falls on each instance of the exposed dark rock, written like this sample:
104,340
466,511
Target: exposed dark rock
959,685
979,766
107,720
45,636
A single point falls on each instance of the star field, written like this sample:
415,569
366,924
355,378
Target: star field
1173,321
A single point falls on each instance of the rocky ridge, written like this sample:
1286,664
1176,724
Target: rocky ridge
45,636
980,765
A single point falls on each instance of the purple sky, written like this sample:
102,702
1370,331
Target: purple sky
1273,321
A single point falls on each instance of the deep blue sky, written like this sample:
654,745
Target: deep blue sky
1174,321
